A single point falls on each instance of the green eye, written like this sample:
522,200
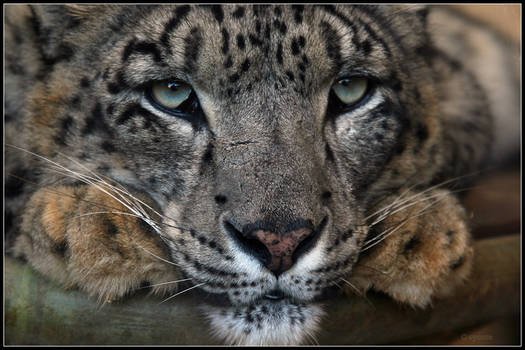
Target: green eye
170,94
350,90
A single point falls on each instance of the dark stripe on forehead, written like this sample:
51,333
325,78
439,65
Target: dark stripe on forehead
279,54
365,26
332,40
240,41
218,13
192,44
225,41
377,17
355,40
260,10
298,13
239,12
141,48
180,13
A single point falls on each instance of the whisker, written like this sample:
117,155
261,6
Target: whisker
158,257
457,178
95,204
87,179
86,274
47,189
184,291
394,202
384,235
121,189
312,337
104,212
137,209
133,207
143,215
374,269
397,209
377,236
421,211
337,284
163,283
76,175
351,285
361,294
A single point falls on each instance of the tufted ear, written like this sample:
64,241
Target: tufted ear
51,23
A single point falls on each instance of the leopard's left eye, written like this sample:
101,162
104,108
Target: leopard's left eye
349,91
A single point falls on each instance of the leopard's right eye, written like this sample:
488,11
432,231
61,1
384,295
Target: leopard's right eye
170,94
173,97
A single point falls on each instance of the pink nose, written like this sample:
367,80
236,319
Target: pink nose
281,247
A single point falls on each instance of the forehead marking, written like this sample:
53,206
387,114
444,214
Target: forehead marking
218,13
180,13
192,49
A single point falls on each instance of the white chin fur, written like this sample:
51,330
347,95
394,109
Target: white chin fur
265,323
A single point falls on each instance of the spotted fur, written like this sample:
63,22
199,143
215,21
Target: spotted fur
106,192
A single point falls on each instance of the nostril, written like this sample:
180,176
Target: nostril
250,246
307,243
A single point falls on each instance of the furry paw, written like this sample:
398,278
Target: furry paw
417,251
82,237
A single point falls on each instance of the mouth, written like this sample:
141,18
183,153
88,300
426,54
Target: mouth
275,318
274,296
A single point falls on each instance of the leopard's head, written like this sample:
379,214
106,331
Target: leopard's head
263,133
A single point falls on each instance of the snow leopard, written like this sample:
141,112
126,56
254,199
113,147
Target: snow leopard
269,156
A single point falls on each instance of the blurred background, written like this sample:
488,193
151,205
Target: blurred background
505,18
494,204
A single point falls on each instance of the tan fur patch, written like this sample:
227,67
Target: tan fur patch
45,110
57,208
416,261
110,252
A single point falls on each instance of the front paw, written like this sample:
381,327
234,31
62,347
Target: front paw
420,252
82,237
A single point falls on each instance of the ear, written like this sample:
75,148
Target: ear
85,12
418,10
411,22
51,23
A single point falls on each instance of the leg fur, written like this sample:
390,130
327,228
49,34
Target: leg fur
428,255
65,237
